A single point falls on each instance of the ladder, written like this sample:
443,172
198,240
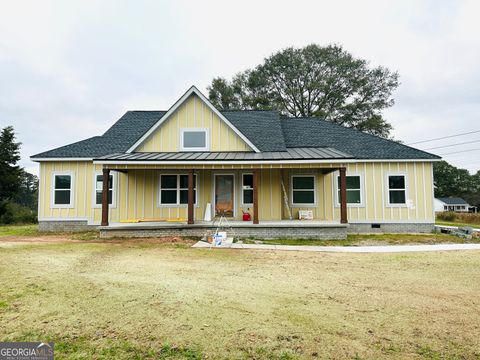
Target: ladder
224,224
285,200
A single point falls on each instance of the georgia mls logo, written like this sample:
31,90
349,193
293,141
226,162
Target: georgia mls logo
26,351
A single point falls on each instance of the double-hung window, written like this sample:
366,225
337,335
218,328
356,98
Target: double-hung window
62,196
397,191
99,189
354,190
194,139
303,190
174,189
247,189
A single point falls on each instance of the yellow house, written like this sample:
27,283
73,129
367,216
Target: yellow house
177,172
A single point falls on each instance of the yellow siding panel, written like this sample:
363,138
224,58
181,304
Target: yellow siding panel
193,113
137,191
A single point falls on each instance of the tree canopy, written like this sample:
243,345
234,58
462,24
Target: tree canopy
10,172
451,181
18,189
313,81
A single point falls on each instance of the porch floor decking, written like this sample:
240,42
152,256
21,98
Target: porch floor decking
233,223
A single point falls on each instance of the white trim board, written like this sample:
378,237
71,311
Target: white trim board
99,161
396,160
90,221
61,159
251,162
230,162
178,103
411,221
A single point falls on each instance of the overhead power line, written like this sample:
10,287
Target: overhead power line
472,164
444,137
457,144
459,152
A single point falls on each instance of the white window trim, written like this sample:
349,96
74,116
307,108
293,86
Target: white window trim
314,204
362,189
207,139
387,190
113,205
178,205
241,190
71,205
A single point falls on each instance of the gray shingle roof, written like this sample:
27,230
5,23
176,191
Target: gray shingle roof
118,138
317,132
265,129
453,201
262,128
288,154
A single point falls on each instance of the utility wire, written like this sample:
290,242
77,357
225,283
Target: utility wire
471,164
458,152
444,137
457,144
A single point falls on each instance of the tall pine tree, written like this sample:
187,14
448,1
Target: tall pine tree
10,172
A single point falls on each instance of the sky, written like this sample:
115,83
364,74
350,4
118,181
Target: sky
70,69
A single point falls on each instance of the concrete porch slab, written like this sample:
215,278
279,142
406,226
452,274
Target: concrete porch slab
295,229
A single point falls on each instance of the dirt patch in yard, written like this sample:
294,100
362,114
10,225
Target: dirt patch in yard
46,239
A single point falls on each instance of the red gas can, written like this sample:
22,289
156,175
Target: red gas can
246,216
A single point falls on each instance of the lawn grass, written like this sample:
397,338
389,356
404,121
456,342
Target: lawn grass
450,223
371,239
150,301
31,230
19,230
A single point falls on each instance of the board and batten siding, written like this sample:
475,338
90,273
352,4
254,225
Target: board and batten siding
193,113
137,193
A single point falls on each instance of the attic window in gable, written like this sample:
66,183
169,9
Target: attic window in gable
194,140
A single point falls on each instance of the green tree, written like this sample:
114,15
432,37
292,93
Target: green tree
27,194
451,181
314,81
18,189
10,172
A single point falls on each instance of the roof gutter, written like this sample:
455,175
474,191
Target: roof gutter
250,162
228,162
61,159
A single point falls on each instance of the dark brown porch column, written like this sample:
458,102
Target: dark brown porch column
255,196
106,176
190,197
343,195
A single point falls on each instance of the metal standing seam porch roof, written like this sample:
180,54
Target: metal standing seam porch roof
318,153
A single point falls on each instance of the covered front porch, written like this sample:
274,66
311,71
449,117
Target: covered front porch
267,229
162,199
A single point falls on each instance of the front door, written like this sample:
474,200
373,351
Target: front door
224,195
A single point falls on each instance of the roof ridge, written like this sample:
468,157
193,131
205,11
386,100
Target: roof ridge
249,110
147,110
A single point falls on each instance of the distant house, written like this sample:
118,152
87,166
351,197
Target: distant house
169,172
455,204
